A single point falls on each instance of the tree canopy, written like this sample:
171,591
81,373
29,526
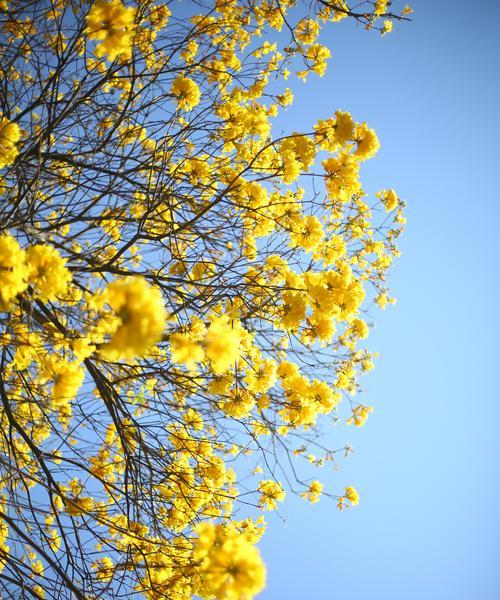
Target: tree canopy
184,293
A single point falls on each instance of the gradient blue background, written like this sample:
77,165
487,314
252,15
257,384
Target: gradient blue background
426,464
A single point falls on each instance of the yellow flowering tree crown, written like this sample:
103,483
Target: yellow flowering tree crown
184,293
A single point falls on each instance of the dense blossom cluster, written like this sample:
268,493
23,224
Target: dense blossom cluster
137,321
184,294
110,22
230,566
9,137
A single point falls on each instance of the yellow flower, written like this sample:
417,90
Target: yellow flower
285,98
239,404
367,142
389,198
141,317
186,91
324,395
318,54
342,177
307,31
333,133
387,28
67,377
298,153
10,134
190,51
293,309
380,7
308,233
110,22
75,507
359,329
222,343
313,494
104,568
82,348
271,493
322,327
229,565
352,495
261,376
360,415
331,250
344,126
12,270
184,350
193,419
47,272
54,539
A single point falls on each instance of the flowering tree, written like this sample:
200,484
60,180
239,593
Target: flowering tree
182,293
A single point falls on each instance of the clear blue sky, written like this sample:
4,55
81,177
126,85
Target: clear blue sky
426,464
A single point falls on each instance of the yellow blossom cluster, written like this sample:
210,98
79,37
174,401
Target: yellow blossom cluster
47,271
230,567
313,493
186,92
390,199
139,318
220,344
12,269
271,493
10,135
41,267
111,23
350,498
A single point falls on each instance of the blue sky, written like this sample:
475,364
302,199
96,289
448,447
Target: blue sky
426,464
